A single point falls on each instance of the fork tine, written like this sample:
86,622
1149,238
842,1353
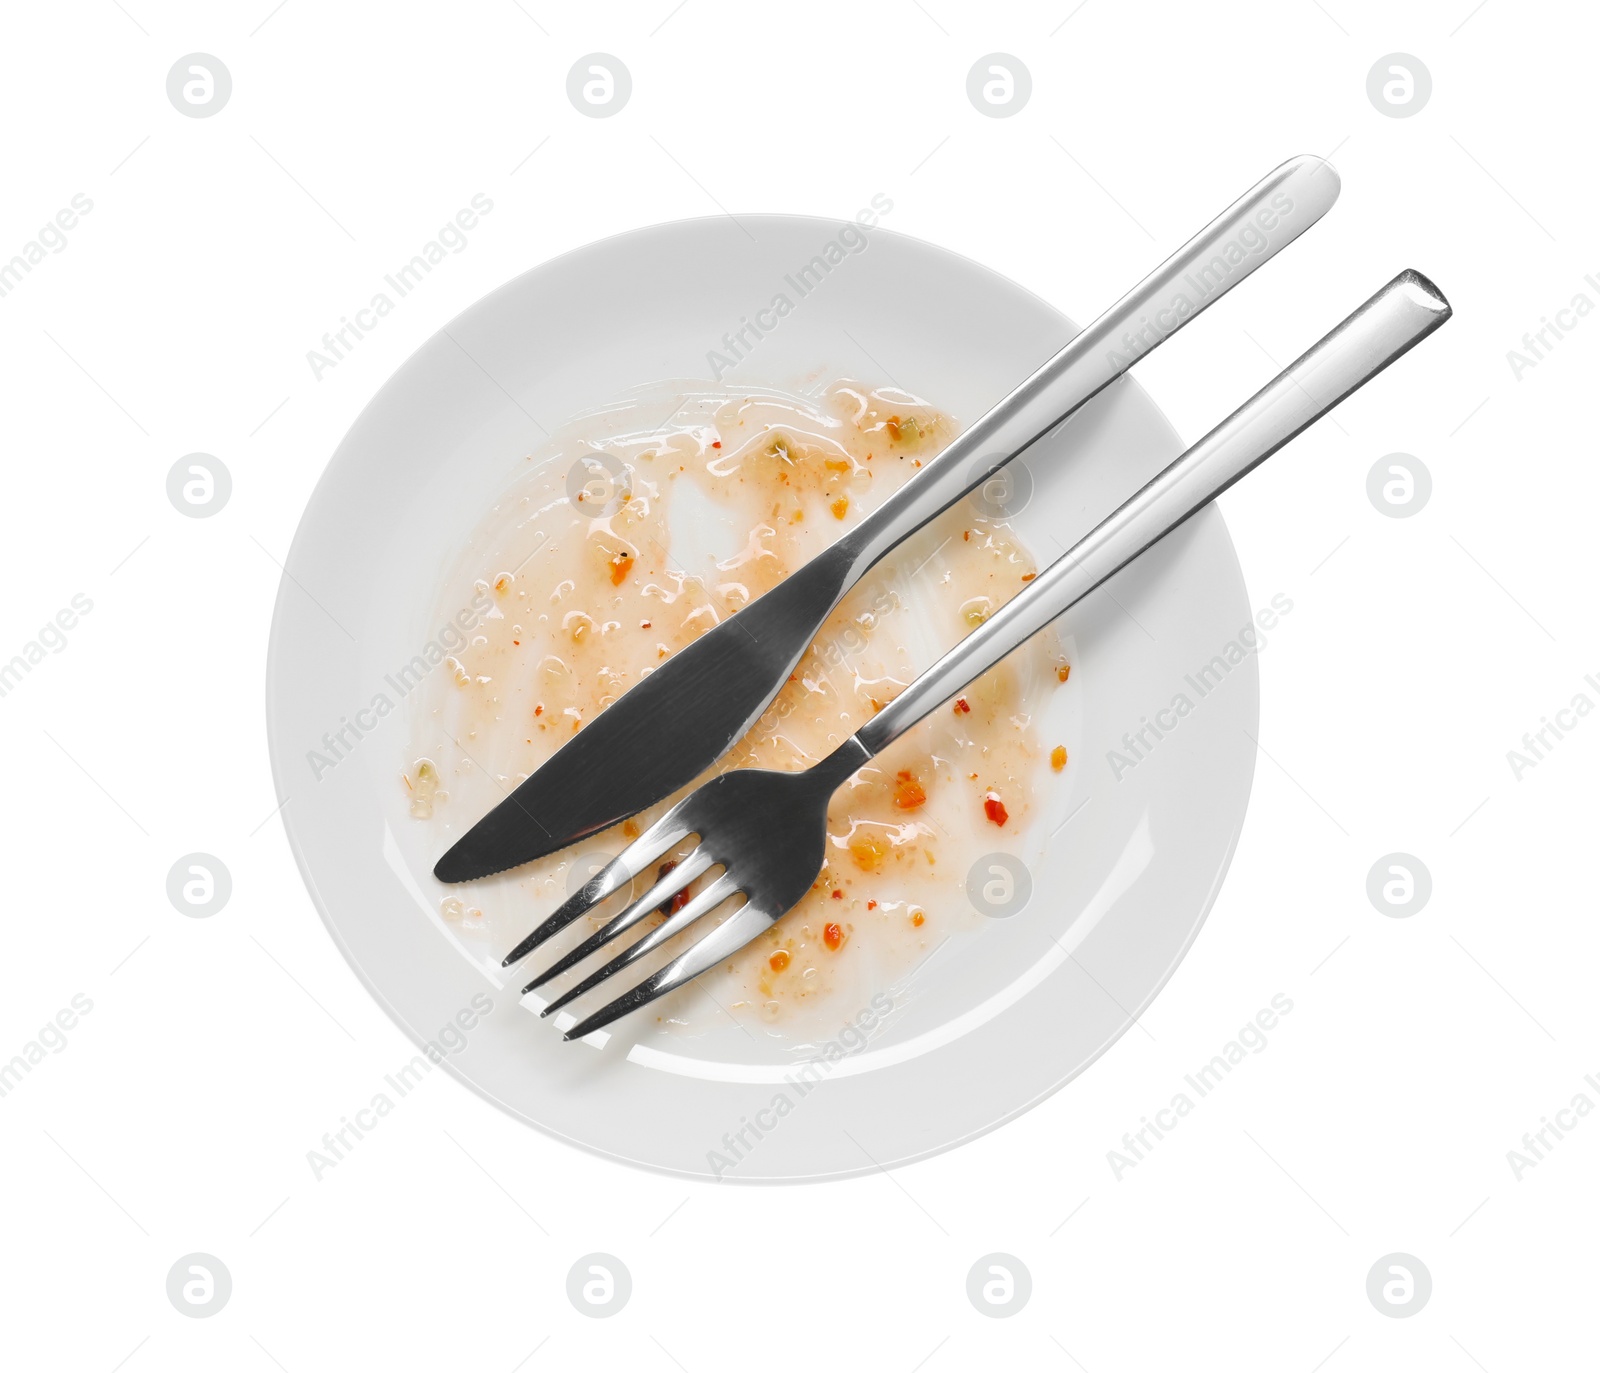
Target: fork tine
669,885
707,901
729,937
670,829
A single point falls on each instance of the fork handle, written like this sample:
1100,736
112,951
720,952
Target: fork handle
1397,318
1250,232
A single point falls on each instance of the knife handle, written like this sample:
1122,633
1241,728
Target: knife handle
1250,232
1395,320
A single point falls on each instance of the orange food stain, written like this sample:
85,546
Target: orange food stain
868,851
839,507
619,568
917,918
908,792
1058,757
1063,672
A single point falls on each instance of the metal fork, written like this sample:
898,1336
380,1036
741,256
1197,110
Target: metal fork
767,830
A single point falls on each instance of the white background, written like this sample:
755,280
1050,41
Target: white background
177,319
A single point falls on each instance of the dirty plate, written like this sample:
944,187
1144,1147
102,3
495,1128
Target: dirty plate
1123,859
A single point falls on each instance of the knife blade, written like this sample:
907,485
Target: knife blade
670,727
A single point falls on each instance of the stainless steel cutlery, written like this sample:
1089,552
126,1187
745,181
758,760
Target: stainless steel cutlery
765,830
717,687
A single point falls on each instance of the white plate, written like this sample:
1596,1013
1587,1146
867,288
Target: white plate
1125,861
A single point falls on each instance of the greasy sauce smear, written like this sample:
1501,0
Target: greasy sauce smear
589,587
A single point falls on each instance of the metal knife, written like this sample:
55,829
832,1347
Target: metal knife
714,689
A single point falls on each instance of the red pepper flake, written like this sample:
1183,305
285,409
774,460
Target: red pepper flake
716,443
872,905
995,808
832,935
675,903
966,536
644,624
961,707
538,710
619,568
837,894
779,961
517,642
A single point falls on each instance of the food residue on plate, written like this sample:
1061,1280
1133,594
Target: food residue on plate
629,536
